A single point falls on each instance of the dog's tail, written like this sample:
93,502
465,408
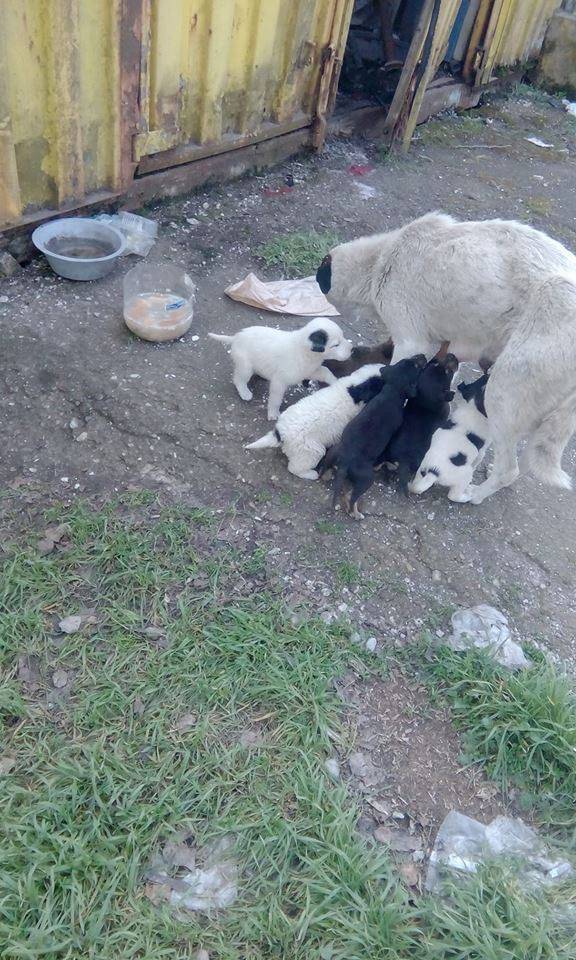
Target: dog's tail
271,439
421,483
222,337
546,445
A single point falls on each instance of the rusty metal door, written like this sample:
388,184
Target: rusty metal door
216,75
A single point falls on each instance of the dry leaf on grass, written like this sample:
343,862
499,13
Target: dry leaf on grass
6,765
60,678
70,624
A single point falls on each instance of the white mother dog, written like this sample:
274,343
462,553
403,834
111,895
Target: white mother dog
495,289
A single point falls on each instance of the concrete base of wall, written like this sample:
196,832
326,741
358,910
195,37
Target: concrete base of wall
557,65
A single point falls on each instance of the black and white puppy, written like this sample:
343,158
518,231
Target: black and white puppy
284,357
423,414
368,434
458,446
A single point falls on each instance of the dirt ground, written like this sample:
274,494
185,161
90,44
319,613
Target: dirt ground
167,417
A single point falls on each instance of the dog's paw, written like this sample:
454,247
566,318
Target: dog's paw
273,414
244,393
308,475
465,497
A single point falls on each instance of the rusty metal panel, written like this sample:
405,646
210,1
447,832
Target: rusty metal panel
59,103
223,71
514,34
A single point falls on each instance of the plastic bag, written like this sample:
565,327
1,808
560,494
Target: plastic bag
303,298
140,232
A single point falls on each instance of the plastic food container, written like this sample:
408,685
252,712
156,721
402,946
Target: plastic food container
158,302
79,248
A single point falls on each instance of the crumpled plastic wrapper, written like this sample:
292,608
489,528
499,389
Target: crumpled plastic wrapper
202,880
464,844
302,298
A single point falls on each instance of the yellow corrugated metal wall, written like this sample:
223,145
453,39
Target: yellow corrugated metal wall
515,33
59,96
208,73
88,88
215,70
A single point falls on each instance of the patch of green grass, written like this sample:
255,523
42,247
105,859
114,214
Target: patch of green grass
521,726
97,782
298,254
539,206
347,572
490,917
329,526
527,91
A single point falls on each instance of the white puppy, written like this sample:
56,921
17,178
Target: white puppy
458,447
307,428
492,288
285,357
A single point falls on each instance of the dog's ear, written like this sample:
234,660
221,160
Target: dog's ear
324,274
319,339
449,395
451,363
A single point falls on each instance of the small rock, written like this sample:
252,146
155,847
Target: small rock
193,223
82,437
398,815
59,678
202,955
45,546
8,265
186,723
4,300
410,874
70,624
6,765
332,768
74,423
436,576
57,533
154,633
371,644
137,707
397,840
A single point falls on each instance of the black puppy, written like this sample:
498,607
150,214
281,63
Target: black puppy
367,435
423,414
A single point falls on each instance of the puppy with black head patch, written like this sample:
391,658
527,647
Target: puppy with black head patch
458,446
369,433
284,357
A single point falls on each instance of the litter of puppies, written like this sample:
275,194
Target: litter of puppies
390,407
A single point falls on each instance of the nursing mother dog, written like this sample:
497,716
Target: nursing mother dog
495,289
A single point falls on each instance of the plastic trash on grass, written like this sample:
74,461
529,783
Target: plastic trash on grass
302,298
464,844
140,232
487,629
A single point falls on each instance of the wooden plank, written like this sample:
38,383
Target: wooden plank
226,166
189,152
439,30
401,99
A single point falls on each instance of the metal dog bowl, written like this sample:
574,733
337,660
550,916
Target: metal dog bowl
79,248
